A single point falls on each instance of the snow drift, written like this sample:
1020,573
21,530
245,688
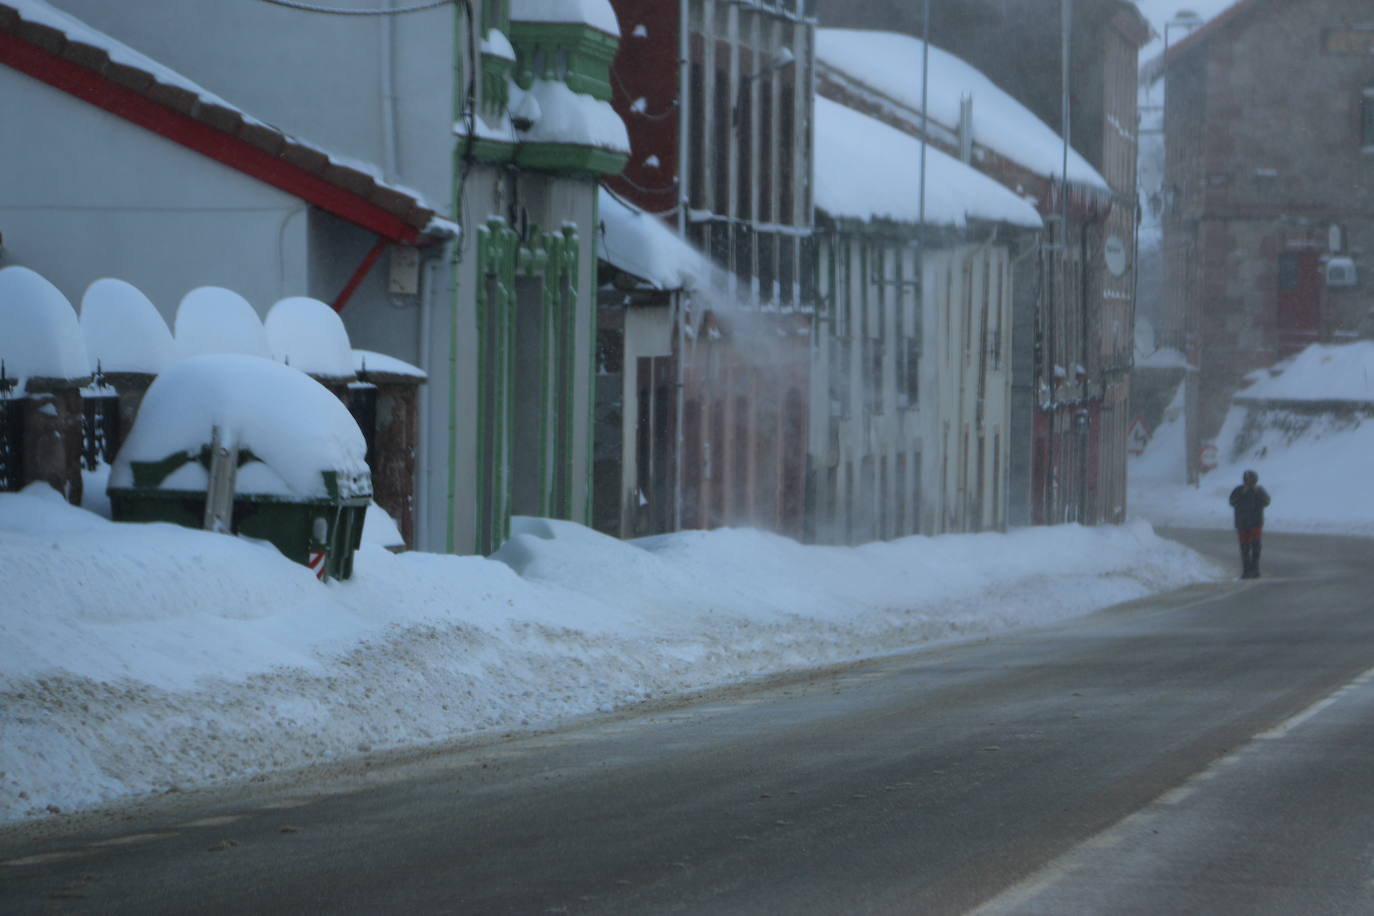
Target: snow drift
138,658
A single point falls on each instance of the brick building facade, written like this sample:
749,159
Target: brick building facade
1269,191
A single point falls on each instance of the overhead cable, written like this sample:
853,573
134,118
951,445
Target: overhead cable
337,11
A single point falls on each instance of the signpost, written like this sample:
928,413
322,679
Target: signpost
1137,437
1207,456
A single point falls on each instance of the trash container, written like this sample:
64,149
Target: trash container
250,447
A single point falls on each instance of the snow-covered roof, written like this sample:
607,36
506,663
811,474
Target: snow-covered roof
1166,15
39,334
888,65
124,331
1215,16
291,422
310,336
865,169
211,319
596,13
76,43
642,245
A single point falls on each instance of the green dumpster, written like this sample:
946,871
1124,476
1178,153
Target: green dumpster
249,447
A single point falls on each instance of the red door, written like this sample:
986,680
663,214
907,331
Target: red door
1299,306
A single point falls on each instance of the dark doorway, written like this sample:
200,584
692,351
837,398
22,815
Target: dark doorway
1299,301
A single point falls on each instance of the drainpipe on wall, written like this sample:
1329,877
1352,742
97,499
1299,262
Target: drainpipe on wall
428,302
462,98
684,152
390,134
679,319
925,97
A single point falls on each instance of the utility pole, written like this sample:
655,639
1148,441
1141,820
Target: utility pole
925,96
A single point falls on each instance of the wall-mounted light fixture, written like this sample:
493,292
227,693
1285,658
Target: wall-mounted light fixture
781,59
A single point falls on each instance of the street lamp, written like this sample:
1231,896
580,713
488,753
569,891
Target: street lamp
782,59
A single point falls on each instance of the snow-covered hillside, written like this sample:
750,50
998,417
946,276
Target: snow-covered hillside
138,658
1313,460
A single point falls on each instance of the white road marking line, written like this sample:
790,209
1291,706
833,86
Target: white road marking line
46,858
1022,893
219,821
131,839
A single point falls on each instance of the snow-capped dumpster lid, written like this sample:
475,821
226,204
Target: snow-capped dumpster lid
39,334
310,336
308,444
123,329
211,319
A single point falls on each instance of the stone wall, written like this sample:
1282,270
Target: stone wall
1264,159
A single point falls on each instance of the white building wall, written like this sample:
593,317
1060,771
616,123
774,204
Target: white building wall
966,385
85,194
381,91
326,79
866,431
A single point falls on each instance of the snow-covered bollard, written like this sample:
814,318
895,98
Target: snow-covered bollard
297,473
43,367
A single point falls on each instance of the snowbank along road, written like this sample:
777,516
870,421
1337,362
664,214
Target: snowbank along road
1198,752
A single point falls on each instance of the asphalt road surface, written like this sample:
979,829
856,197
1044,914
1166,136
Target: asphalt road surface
1205,752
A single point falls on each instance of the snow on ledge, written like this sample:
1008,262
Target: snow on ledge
370,361
596,13
643,246
574,118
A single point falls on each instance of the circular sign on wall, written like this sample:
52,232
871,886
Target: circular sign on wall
1114,253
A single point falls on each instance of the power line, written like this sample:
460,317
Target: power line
336,11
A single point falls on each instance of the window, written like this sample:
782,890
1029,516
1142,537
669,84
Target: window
873,373
913,371
1289,271
1367,118
839,376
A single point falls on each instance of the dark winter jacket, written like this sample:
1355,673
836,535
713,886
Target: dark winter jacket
1249,503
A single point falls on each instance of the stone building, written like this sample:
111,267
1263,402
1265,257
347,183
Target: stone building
1268,193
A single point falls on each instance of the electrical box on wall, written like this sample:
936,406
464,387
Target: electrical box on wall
404,279
1341,272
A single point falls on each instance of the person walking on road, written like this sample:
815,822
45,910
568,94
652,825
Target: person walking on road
1249,500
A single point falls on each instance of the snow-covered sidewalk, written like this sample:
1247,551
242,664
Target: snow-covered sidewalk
135,658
